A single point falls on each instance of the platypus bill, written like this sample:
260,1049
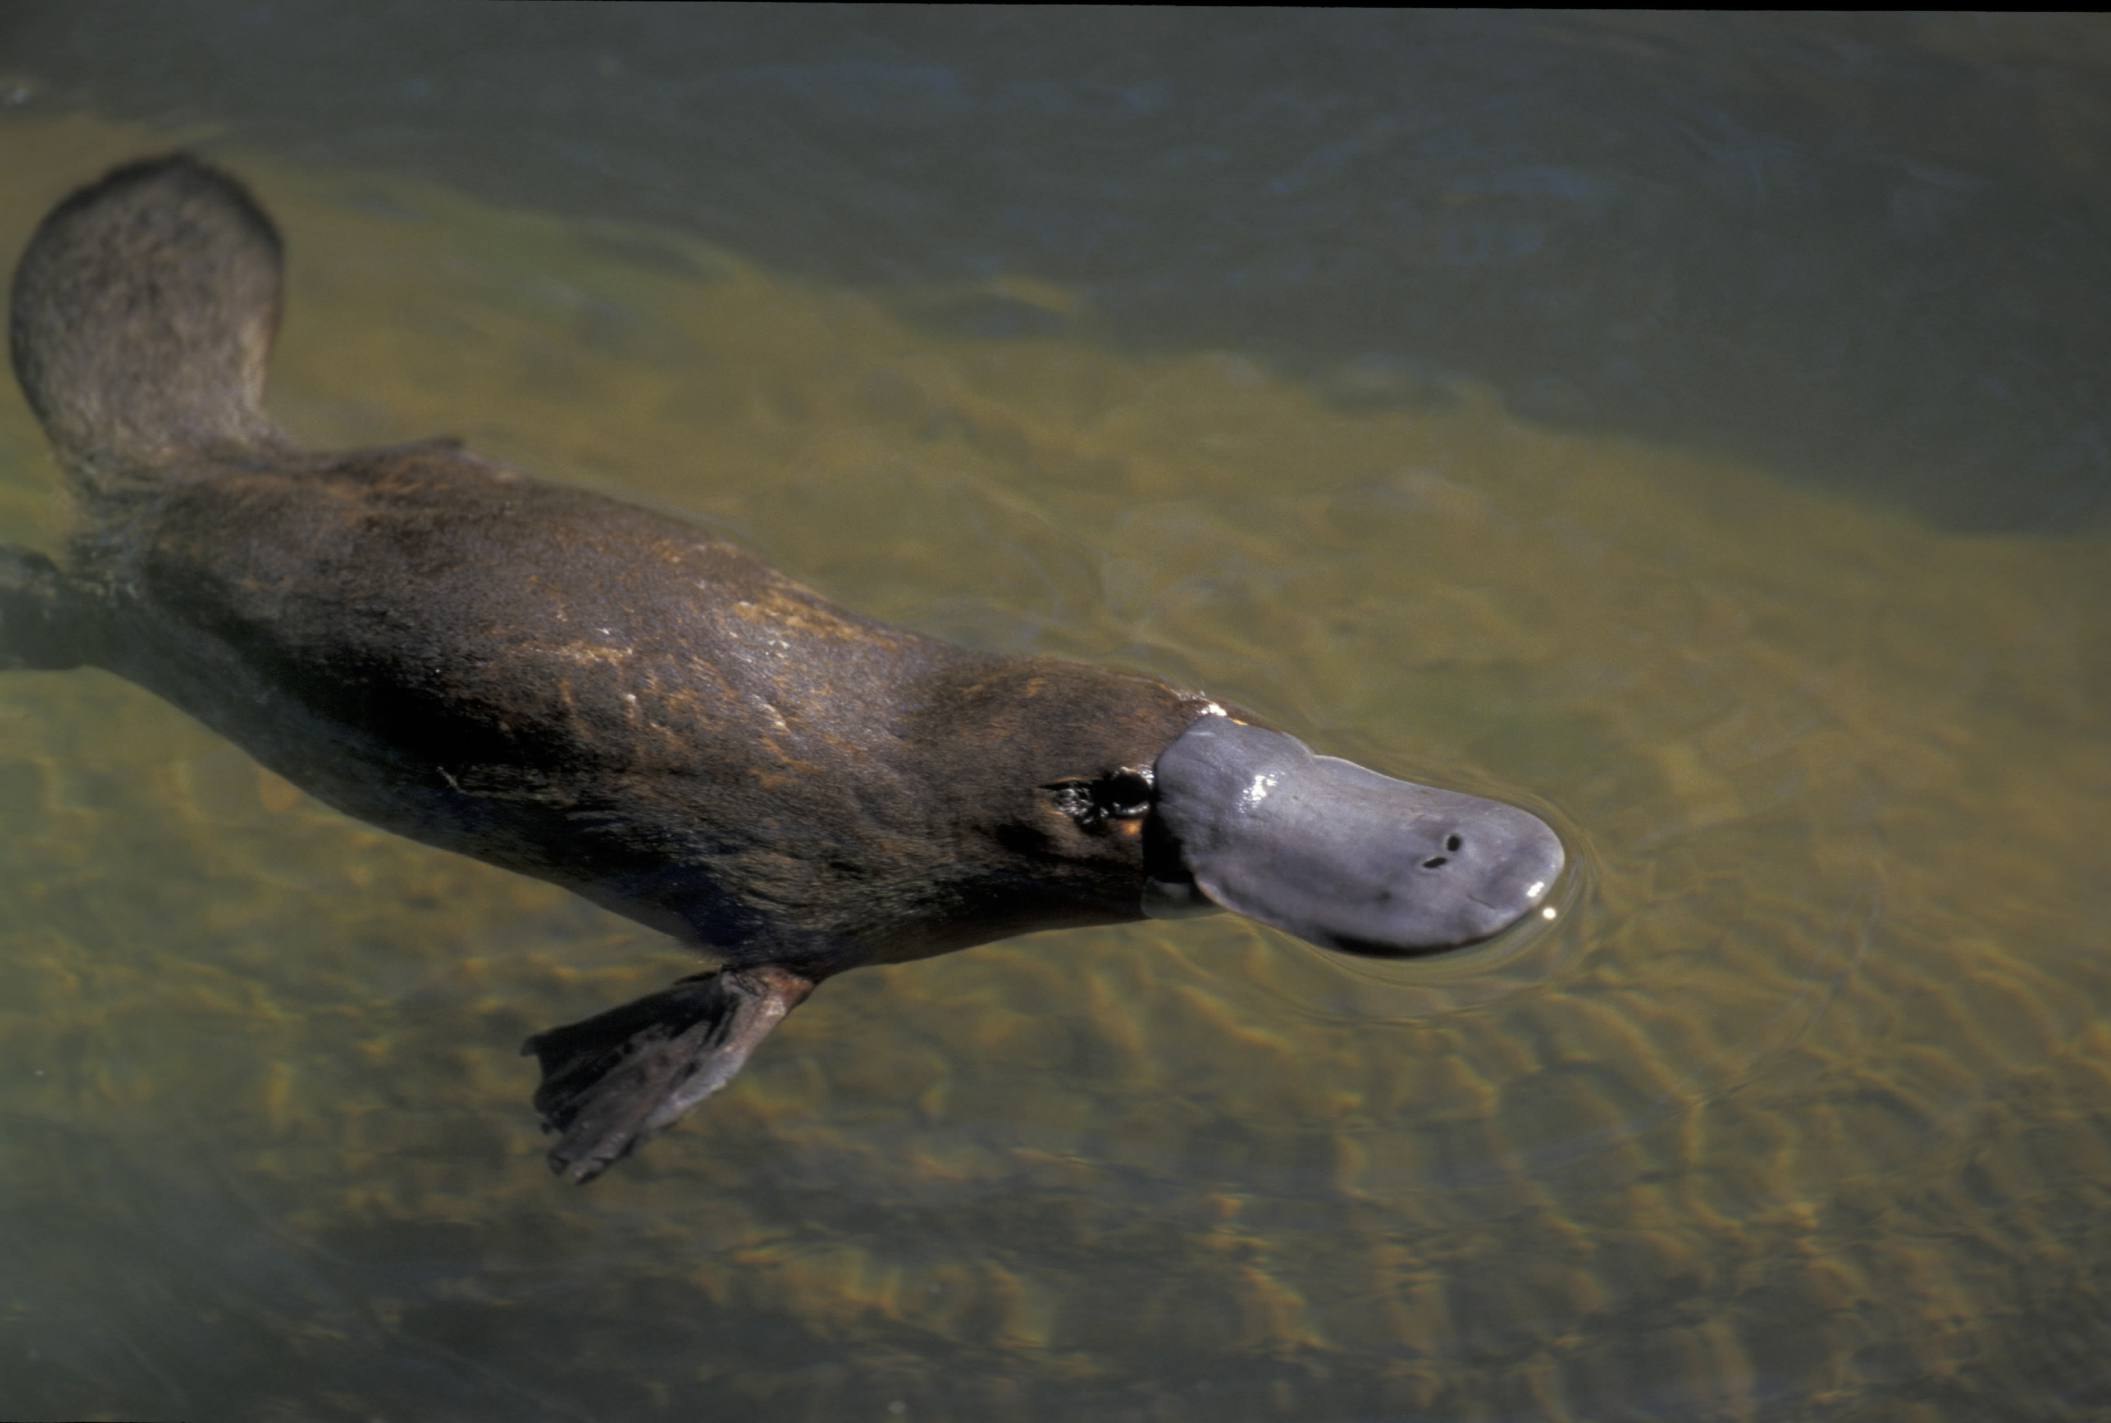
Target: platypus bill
618,702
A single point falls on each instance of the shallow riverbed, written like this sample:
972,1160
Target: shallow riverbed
1694,431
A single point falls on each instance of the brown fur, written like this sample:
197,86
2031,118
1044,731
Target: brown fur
539,677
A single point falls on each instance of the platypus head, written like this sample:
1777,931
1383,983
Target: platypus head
1202,810
1250,820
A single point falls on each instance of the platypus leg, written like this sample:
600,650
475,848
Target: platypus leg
613,1080
39,613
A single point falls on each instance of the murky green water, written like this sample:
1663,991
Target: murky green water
1696,431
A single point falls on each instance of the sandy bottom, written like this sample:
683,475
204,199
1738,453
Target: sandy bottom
1802,1106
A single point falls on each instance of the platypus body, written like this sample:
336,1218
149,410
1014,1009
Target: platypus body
616,701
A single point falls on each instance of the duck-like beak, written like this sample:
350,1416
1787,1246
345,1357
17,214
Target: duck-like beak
1336,854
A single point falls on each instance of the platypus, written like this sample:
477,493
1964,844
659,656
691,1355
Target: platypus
624,704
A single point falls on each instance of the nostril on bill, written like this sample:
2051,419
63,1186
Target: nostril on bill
1453,843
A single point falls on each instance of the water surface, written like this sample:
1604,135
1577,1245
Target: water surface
1692,429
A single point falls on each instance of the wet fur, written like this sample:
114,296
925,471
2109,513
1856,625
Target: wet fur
540,677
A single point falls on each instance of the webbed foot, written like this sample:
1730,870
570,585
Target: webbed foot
614,1079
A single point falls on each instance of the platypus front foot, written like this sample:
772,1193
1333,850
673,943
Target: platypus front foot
613,1080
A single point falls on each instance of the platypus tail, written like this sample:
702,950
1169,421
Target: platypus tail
143,313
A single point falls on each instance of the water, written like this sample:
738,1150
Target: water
1692,427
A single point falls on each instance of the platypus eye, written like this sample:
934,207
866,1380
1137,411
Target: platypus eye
1123,794
1126,794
